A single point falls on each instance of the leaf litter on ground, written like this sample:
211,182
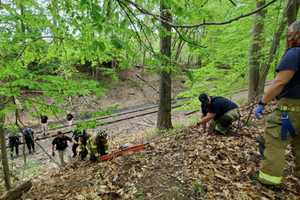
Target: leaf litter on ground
188,164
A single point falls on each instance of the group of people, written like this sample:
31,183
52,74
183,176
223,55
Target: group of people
282,125
14,135
83,143
44,122
14,141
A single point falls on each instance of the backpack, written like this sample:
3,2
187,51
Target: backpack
28,133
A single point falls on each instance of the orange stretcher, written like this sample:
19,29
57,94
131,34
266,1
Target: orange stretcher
123,151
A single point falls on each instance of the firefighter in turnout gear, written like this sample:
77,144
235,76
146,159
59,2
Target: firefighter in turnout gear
283,125
97,145
80,138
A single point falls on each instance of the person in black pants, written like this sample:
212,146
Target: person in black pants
14,141
70,119
83,152
80,138
60,142
44,124
29,139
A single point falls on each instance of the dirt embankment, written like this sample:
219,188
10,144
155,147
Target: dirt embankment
185,165
135,87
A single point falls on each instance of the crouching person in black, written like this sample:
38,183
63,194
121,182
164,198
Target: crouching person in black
220,111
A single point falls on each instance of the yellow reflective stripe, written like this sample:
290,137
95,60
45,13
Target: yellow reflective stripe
269,178
289,108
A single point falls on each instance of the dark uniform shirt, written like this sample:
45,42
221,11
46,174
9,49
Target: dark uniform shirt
61,142
28,133
70,117
80,134
291,61
219,106
13,140
44,119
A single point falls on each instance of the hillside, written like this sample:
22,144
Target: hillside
188,164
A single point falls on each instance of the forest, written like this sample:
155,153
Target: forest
131,73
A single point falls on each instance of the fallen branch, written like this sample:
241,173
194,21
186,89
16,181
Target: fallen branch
49,156
139,77
17,192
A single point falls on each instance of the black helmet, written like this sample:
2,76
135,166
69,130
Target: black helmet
203,98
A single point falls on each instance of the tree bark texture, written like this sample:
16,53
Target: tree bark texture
275,43
4,158
164,113
108,4
255,54
292,12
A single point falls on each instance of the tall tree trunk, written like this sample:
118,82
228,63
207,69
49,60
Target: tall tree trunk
255,55
23,30
4,158
164,113
275,44
292,12
108,4
144,57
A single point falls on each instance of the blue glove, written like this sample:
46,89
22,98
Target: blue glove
259,111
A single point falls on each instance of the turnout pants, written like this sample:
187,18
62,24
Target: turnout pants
74,149
223,124
272,167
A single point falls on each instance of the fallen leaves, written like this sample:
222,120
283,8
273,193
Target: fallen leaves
189,165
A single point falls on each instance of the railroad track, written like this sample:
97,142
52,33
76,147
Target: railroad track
138,111
118,113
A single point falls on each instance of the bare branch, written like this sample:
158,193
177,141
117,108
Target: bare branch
232,2
201,6
35,40
182,37
141,24
146,12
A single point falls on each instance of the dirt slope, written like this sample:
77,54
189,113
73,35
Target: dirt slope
188,164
